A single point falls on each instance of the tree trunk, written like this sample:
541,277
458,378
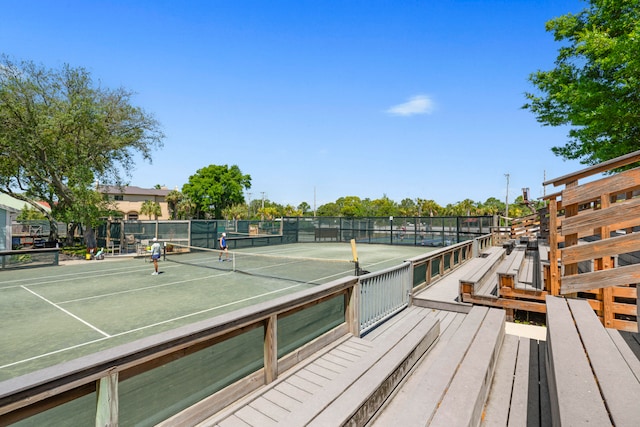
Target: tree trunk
90,237
71,233
53,229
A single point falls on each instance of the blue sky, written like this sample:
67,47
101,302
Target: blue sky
318,100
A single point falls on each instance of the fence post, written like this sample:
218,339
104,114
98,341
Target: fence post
107,400
352,308
271,349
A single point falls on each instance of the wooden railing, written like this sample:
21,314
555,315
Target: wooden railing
593,240
434,265
106,374
526,226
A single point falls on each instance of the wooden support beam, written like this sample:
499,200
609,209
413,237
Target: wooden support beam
270,349
522,293
505,303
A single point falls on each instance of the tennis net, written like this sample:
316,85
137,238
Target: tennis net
298,269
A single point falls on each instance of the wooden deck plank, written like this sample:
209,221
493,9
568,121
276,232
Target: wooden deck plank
346,354
389,326
233,421
467,393
483,266
488,287
308,374
497,407
253,417
333,363
519,407
355,347
527,273
578,399
352,390
282,400
545,399
533,399
626,351
431,380
323,372
403,397
620,389
633,340
293,392
338,359
269,408
302,384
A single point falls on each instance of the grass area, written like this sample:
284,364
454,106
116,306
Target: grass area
530,318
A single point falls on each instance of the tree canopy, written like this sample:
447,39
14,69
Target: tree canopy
214,188
595,85
60,133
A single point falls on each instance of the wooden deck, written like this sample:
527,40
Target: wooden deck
342,377
442,368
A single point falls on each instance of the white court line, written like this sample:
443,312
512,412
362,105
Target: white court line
67,312
67,277
143,327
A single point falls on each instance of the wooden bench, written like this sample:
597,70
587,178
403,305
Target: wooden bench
589,377
340,386
509,245
480,270
451,384
510,267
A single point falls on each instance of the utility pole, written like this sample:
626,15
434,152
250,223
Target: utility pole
507,200
249,204
262,215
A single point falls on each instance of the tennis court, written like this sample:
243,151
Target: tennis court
55,314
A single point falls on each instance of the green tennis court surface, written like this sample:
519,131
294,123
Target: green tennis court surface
54,314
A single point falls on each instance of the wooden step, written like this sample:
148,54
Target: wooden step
450,384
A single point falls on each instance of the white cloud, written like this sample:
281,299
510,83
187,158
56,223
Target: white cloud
420,104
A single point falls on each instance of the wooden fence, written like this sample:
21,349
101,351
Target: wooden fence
594,241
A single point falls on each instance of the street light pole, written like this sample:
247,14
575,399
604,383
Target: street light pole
507,200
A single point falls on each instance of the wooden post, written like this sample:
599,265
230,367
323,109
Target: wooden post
352,309
107,400
271,349
554,276
570,239
602,264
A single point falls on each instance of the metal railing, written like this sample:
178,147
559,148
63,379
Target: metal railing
383,294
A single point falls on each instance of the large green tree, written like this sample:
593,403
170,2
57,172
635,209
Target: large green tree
214,188
60,132
595,85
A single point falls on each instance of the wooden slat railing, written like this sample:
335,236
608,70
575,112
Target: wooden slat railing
600,223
